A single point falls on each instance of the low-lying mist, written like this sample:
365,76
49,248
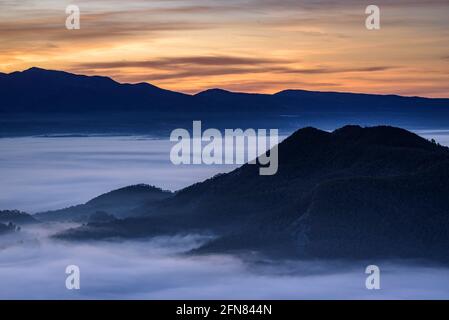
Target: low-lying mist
51,173
32,266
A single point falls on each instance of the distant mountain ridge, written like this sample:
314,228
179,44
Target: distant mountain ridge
38,101
59,91
355,193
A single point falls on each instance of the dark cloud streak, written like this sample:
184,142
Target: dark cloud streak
200,66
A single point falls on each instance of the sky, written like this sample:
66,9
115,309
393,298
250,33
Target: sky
241,45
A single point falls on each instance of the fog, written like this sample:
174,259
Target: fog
49,173
33,267
46,173
41,173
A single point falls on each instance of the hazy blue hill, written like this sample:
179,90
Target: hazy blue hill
218,100
357,102
38,101
353,193
118,203
16,217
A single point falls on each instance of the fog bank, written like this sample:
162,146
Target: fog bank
158,269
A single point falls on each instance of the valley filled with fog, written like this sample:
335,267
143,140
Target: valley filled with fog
44,173
48,173
33,267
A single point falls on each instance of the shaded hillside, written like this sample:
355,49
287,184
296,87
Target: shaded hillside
353,193
401,217
118,203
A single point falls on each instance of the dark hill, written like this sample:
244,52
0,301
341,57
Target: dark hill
16,217
353,193
118,203
37,90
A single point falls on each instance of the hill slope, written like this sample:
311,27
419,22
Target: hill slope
353,193
118,203
16,217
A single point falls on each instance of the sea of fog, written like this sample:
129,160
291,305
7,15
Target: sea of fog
33,267
45,173
41,173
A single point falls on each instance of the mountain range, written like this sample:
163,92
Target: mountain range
39,102
354,193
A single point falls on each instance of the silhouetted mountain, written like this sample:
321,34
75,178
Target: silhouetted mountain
316,101
37,90
353,193
118,203
38,101
16,217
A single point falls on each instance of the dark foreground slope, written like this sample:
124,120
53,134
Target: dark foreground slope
353,193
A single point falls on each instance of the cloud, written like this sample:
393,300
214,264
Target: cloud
326,70
335,4
111,19
204,66
188,66
169,63
92,29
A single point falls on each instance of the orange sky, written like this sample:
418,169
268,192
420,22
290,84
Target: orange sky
240,45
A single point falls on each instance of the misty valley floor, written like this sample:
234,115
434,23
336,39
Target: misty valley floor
41,173
158,269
